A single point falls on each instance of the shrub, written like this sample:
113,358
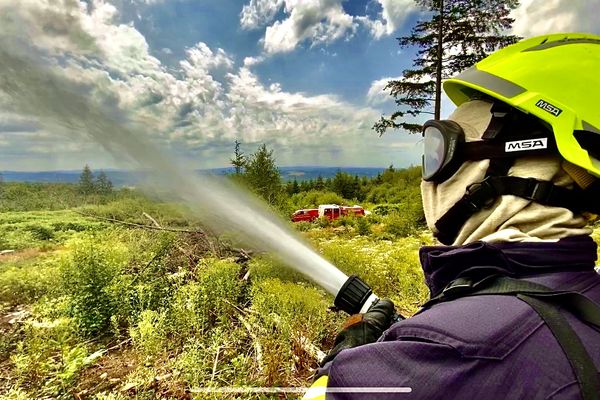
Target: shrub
265,267
24,282
200,306
66,226
150,333
399,224
344,221
292,319
86,273
132,209
220,358
22,230
48,357
303,226
385,209
15,393
363,227
41,232
323,222
314,198
150,279
392,269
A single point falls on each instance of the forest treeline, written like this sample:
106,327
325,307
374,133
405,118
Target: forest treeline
393,189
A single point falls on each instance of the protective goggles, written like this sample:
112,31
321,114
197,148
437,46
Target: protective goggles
445,148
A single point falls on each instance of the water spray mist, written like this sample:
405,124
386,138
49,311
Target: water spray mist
65,107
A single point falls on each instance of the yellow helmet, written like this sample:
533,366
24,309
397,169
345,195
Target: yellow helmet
553,77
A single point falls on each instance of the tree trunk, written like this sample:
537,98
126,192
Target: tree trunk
438,72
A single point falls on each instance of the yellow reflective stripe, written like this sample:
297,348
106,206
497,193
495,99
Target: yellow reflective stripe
317,390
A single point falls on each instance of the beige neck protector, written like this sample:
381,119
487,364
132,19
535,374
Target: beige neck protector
510,218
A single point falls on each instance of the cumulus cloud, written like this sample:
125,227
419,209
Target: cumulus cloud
376,93
259,12
537,18
251,61
200,107
393,14
318,21
314,20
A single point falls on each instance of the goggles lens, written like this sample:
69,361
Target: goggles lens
434,151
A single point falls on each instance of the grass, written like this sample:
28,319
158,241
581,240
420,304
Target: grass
43,229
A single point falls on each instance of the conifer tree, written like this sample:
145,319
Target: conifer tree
319,183
456,34
103,184
263,175
295,187
86,181
292,187
239,159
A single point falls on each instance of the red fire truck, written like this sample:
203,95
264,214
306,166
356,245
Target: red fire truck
330,211
308,214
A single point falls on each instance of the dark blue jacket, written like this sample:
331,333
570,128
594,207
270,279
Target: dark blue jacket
480,347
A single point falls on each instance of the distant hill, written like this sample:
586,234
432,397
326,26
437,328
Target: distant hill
129,178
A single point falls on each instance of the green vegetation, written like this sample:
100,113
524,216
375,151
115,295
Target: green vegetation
94,305
43,229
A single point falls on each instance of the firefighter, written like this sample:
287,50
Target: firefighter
509,183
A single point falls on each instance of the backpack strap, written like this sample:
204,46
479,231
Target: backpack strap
547,303
581,362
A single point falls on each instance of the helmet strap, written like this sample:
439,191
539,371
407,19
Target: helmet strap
479,195
500,112
483,195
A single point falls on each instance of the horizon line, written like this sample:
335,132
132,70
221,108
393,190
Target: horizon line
197,169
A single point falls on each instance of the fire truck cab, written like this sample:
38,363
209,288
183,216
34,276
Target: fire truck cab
309,215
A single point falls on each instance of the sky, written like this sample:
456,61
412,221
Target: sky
305,77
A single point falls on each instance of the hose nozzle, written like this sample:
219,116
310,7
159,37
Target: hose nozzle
355,296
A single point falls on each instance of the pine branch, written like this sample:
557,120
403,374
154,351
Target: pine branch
470,30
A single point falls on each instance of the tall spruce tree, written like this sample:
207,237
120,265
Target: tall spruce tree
456,35
86,181
103,184
239,159
263,175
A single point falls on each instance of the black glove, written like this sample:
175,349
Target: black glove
364,328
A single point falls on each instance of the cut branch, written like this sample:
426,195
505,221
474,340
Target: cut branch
257,347
142,226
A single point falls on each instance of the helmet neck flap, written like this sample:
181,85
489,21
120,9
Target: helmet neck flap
507,124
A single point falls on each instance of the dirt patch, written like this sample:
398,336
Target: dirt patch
111,372
12,317
19,255
108,374
11,320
